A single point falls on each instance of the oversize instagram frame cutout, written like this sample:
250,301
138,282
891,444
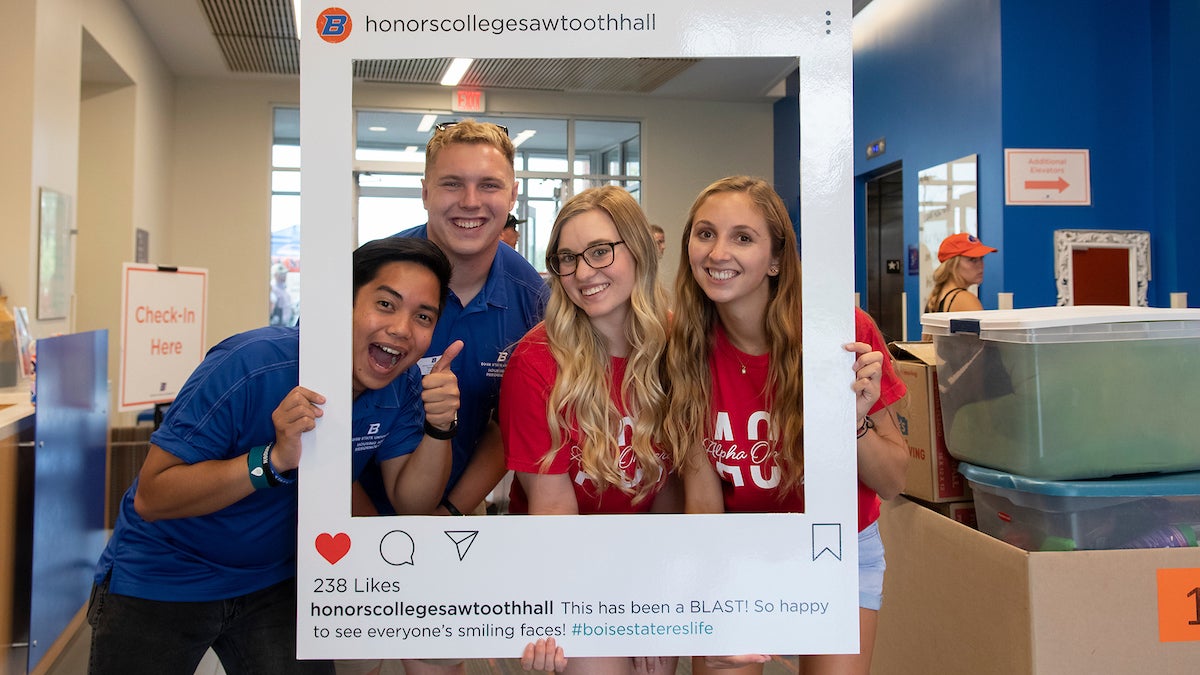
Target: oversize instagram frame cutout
436,587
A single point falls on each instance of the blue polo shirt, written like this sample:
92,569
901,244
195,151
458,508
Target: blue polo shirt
510,303
222,411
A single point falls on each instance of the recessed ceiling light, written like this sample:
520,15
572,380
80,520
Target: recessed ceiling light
458,68
376,128
426,123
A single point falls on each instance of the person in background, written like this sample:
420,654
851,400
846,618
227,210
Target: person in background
509,234
961,258
660,239
495,297
582,402
204,549
734,352
282,307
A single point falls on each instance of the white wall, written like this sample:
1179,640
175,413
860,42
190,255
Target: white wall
123,141
221,188
39,116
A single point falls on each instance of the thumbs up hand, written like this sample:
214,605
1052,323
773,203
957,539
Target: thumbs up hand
439,390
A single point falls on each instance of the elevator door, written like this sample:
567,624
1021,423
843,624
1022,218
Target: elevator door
885,252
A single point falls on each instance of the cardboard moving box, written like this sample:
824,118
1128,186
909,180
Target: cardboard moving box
956,600
932,473
963,512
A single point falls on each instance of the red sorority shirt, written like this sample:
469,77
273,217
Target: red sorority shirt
740,450
524,390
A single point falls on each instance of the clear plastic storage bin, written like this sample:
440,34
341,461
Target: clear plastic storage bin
1067,393
1154,511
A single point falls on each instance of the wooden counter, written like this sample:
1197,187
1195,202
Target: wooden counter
16,426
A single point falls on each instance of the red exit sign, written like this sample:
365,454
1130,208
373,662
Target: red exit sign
468,101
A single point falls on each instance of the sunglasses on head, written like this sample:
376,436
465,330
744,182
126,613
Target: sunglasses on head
442,126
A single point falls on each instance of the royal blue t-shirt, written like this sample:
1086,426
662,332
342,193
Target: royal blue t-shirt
222,411
510,303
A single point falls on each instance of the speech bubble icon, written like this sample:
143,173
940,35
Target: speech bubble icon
396,548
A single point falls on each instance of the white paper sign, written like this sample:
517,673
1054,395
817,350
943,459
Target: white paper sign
430,587
162,331
1047,177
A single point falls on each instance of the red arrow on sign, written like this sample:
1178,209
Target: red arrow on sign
1059,184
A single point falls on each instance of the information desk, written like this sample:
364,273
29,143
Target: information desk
52,478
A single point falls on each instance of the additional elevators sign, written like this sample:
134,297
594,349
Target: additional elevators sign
1047,177
162,331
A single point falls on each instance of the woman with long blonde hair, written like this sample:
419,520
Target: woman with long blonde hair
582,401
961,258
735,355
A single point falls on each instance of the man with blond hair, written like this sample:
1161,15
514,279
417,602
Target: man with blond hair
495,297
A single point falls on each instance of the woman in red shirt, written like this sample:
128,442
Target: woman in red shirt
582,402
734,358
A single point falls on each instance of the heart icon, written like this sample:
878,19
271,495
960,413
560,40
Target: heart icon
333,547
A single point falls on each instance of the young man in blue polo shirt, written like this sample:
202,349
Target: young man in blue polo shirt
495,298
495,295
204,550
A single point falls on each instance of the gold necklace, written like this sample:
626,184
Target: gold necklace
736,353
739,360
737,356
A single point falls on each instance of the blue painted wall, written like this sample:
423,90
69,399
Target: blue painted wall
787,148
940,79
1176,86
1077,74
927,77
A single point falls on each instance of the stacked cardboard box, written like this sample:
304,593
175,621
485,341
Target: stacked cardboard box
933,476
956,600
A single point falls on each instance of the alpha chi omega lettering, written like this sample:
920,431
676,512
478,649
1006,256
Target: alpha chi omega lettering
791,579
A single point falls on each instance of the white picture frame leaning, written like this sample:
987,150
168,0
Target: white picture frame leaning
1137,242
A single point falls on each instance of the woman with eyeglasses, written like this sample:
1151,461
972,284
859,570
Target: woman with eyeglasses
735,355
582,402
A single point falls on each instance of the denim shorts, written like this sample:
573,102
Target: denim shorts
870,568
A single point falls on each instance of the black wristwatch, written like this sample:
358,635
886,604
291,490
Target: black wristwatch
441,434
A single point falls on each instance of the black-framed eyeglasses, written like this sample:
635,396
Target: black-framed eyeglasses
442,126
596,256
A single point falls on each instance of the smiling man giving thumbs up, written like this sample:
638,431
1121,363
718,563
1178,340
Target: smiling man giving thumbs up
204,549
414,482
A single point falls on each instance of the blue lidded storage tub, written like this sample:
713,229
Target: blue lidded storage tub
1146,511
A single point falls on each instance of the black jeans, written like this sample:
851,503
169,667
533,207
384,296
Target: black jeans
254,634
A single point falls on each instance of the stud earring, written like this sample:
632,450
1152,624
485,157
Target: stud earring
773,269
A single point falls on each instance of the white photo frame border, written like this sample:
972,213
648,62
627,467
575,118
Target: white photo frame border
763,549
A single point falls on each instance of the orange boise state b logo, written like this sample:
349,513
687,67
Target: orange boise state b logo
333,24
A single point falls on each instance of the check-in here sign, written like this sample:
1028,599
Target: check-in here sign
1047,177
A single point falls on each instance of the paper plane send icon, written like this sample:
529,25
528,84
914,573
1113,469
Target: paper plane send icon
462,540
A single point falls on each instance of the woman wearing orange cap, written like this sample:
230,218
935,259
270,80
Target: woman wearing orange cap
961,256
